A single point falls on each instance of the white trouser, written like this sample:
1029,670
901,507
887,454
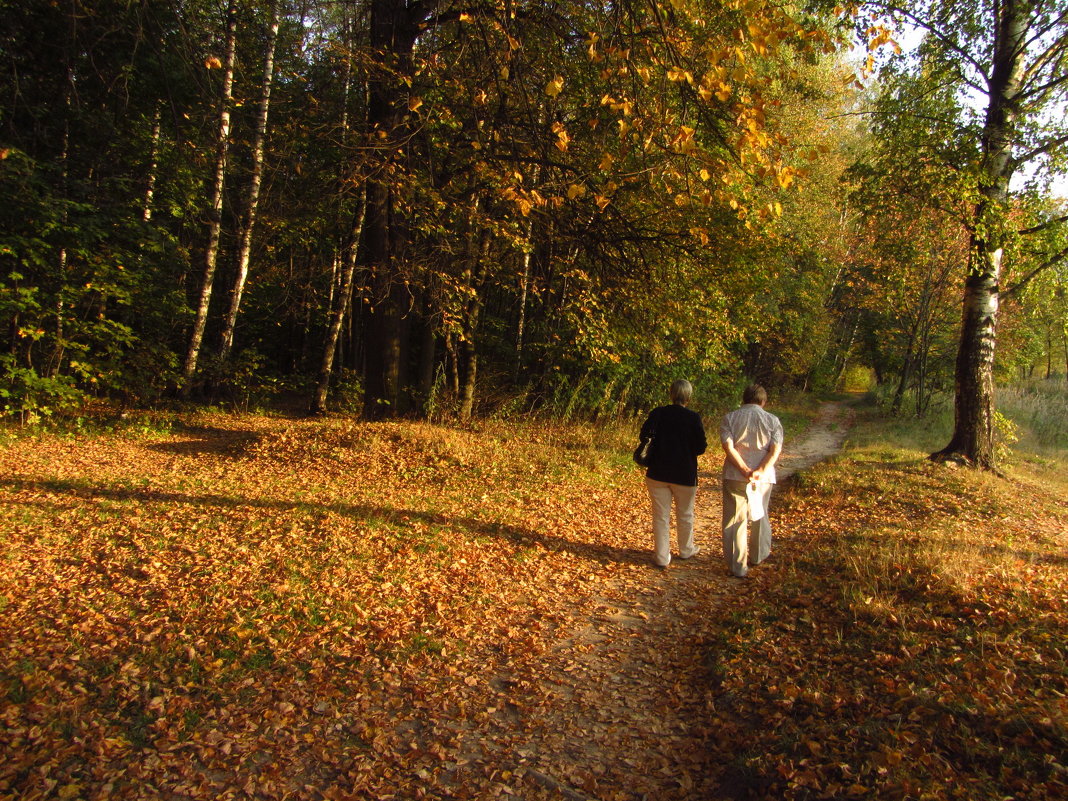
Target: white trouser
737,528
661,494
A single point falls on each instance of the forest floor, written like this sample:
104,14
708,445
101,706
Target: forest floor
225,606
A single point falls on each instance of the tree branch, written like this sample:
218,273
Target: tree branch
1020,285
1038,151
1046,88
1054,49
1035,229
942,37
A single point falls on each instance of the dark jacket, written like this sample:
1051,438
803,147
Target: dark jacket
678,439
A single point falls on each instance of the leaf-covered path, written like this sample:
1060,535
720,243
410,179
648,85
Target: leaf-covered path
631,713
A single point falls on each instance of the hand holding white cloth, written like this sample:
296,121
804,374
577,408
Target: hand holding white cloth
754,495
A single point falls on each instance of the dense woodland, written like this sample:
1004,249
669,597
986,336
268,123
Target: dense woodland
444,209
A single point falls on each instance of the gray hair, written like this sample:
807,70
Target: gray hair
754,393
681,392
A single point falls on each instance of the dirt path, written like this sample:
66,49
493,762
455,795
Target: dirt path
623,702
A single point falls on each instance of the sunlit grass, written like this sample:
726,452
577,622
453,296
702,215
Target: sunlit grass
1040,410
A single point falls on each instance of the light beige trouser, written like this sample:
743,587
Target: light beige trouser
661,495
737,528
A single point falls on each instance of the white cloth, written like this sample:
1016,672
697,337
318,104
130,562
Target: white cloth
754,496
738,530
752,431
661,496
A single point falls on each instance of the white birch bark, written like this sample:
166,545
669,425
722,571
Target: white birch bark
258,147
222,146
153,166
337,314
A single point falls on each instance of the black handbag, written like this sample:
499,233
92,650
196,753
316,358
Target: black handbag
644,452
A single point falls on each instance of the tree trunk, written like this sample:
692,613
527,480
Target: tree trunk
55,361
524,278
383,321
521,324
906,370
395,24
973,431
153,164
222,146
1064,339
476,276
337,315
453,360
245,247
1049,352
924,354
427,347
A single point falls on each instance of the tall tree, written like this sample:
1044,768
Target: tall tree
244,248
222,150
1012,54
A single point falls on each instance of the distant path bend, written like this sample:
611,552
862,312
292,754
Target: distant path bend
821,441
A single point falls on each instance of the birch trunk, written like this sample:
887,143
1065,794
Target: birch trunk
524,279
153,166
337,315
973,430
55,361
245,247
222,146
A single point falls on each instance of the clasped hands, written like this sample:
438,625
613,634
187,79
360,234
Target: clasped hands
754,476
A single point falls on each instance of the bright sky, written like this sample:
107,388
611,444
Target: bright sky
909,39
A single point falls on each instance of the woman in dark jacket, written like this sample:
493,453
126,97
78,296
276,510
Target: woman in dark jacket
678,439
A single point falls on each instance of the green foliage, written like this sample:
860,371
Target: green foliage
245,380
348,392
29,397
621,192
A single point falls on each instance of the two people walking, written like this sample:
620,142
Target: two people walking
751,439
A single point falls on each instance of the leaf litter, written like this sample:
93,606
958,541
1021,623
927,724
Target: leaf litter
252,607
